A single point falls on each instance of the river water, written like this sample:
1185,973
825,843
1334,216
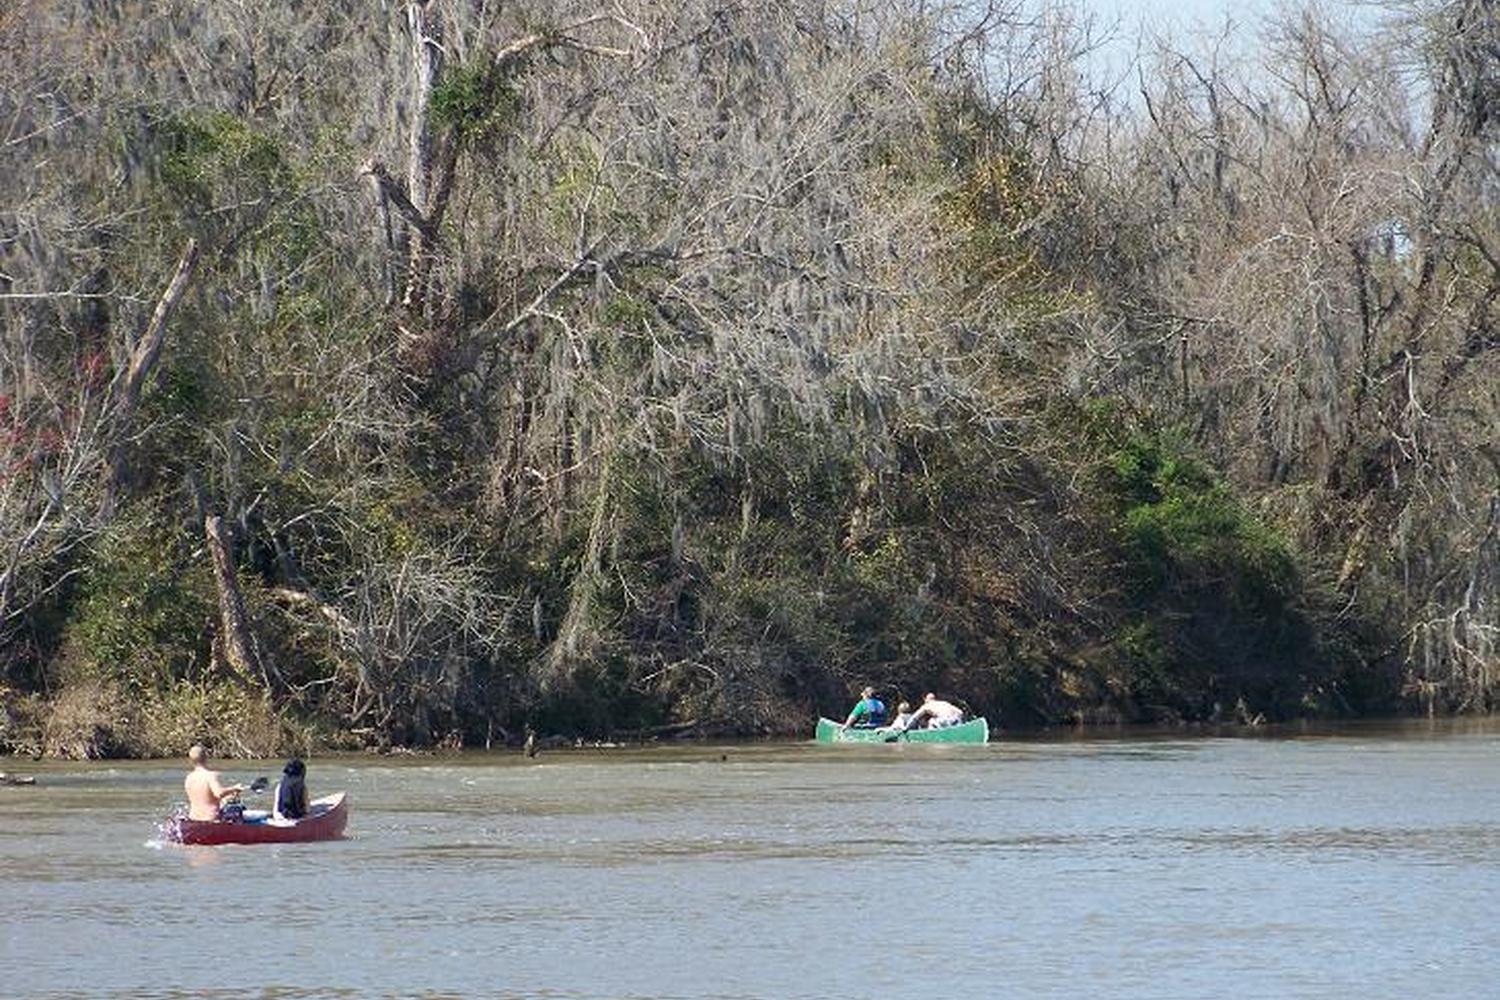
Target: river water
1357,862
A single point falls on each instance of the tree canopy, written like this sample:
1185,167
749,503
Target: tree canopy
416,374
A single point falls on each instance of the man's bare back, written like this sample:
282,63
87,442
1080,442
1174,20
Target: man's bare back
204,789
936,712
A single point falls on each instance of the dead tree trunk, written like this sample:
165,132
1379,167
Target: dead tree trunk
143,355
427,53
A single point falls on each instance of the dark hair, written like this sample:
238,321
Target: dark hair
294,768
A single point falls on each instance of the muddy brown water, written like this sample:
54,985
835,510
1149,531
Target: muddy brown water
1361,861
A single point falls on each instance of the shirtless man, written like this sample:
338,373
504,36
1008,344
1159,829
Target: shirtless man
935,713
204,789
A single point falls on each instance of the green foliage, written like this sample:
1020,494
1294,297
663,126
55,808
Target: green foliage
1146,671
625,312
831,433
475,100
184,400
992,206
182,392
605,698
578,180
1182,526
1211,610
201,150
144,610
237,186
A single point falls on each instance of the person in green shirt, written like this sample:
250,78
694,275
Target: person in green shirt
868,713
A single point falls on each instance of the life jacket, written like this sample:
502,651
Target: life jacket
874,713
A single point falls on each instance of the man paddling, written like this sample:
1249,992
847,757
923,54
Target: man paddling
869,713
206,794
935,713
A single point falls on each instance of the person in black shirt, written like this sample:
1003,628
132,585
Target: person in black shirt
291,791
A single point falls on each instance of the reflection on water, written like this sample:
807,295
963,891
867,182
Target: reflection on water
1360,861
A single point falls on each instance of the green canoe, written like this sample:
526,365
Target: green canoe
973,731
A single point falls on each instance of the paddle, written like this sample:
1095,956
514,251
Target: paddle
258,785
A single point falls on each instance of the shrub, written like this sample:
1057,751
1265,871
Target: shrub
88,721
226,716
1211,606
21,721
1184,528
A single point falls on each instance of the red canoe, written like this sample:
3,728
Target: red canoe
325,820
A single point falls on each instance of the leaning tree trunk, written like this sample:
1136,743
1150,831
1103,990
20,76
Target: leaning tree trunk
240,649
142,361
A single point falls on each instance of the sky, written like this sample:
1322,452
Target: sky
1200,20
1205,13
1155,12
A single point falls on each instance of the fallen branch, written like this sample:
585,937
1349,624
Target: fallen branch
300,599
